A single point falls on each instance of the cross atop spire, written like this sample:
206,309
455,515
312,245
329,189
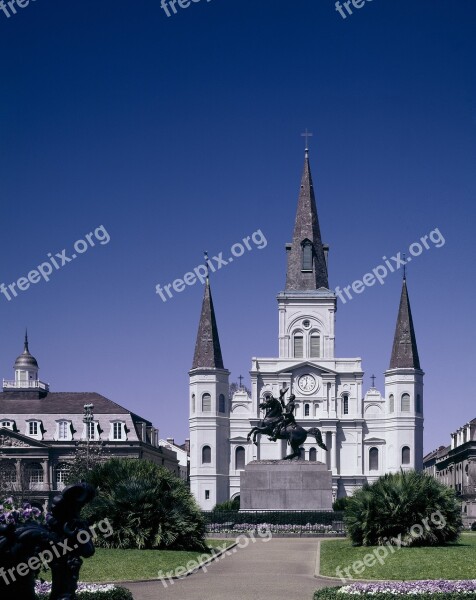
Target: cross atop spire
307,135
373,378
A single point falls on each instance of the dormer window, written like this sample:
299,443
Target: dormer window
118,431
90,431
306,255
34,429
63,431
7,424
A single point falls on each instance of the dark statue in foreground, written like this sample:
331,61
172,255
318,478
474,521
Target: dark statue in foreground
279,423
65,538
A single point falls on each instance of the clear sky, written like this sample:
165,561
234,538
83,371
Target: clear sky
182,134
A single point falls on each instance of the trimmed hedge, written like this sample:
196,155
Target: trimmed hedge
274,517
118,593
333,594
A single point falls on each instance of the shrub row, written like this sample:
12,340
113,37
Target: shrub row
274,517
93,593
334,594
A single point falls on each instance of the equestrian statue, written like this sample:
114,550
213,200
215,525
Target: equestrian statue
279,424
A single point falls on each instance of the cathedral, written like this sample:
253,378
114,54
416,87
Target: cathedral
366,434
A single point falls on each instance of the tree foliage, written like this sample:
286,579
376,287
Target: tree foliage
410,507
146,505
228,505
86,457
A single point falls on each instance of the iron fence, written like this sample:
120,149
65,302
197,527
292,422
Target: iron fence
285,523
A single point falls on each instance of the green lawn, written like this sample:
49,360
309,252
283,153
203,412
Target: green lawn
454,561
130,565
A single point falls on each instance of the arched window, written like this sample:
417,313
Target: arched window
313,455
345,404
193,403
298,342
306,410
206,455
405,402
418,403
35,473
307,255
315,345
8,473
206,403
61,475
405,455
240,458
391,402
221,403
373,459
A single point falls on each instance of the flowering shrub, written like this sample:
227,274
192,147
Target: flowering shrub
11,515
402,588
88,591
424,590
276,528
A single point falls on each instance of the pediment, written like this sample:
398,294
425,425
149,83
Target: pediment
374,440
12,439
239,439
308,365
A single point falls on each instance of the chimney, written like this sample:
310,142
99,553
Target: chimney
187,445
171,441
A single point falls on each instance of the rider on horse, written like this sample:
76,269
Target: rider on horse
286,419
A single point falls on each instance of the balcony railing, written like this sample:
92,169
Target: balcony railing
25,385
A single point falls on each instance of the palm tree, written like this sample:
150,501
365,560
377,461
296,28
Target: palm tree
410,508
147,507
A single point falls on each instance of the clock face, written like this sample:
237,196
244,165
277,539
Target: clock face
307,383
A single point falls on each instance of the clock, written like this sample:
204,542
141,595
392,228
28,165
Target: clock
307,383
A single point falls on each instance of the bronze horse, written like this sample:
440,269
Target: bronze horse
293,433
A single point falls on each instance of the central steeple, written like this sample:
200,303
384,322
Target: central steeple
307,264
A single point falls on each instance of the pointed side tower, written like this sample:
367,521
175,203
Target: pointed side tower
306,307
209,413
404,394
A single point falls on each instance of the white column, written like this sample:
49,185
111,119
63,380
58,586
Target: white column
334,452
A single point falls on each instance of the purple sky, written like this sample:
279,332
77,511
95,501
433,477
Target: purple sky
182,134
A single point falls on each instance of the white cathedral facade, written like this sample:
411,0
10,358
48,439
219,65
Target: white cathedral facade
367,434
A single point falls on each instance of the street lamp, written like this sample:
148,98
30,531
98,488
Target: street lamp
88,418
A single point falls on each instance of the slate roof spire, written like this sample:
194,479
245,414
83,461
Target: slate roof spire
207,348
307,264
404,351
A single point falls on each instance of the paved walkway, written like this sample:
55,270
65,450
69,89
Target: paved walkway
280,569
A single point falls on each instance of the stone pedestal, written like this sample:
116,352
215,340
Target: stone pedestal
285,485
